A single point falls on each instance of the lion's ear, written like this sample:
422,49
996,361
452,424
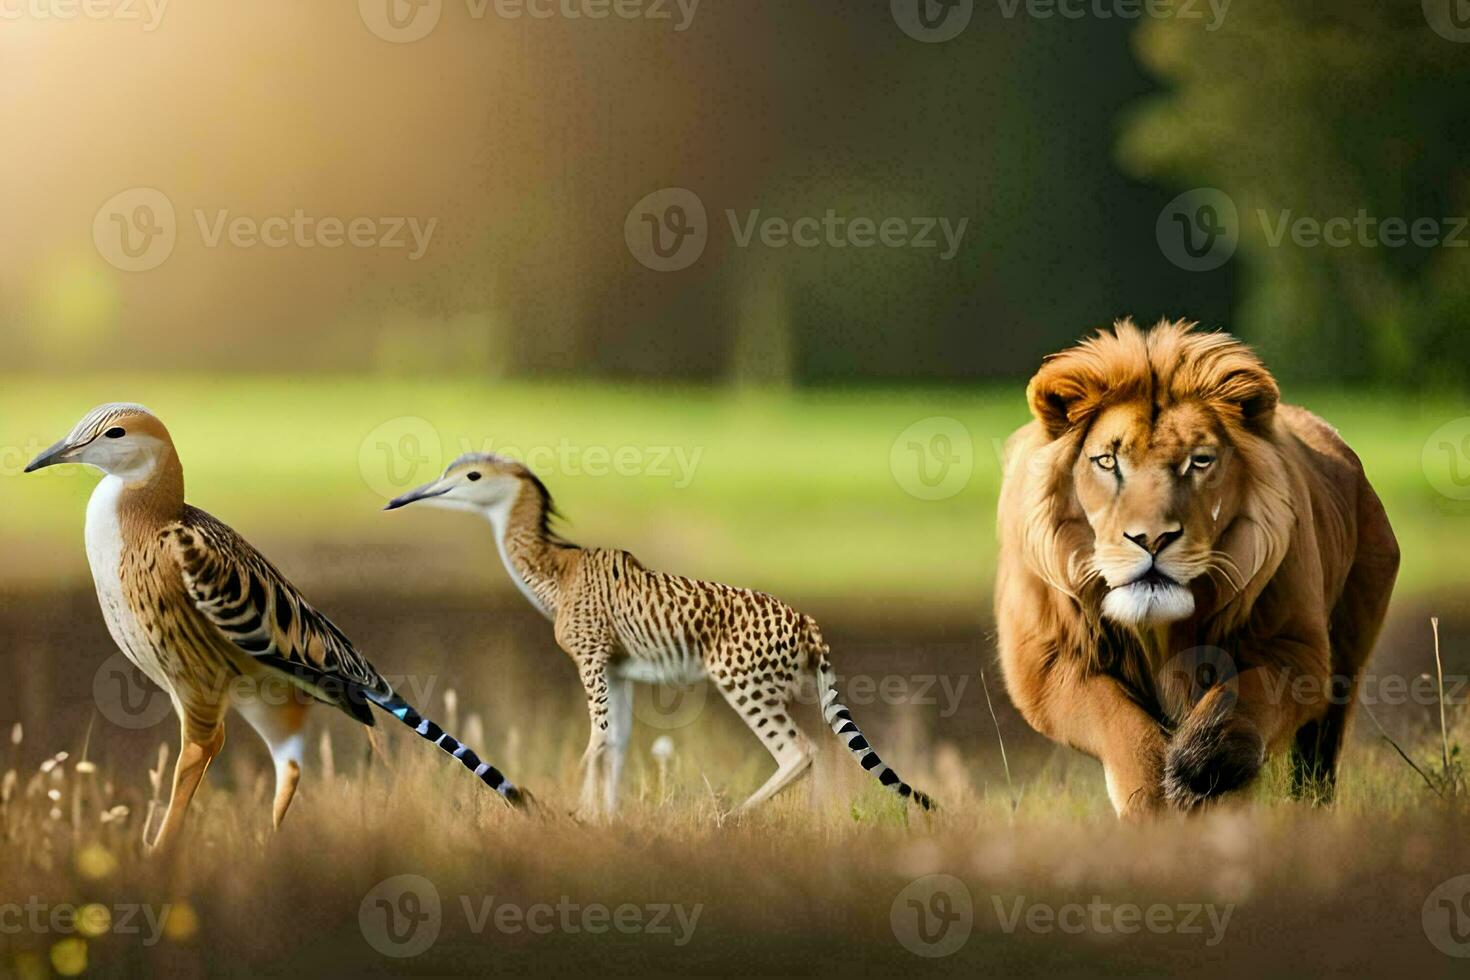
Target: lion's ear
1251,392
1062,394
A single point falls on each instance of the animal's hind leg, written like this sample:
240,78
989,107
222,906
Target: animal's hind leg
762,702
1314,755
619,730
280,725
792,760
1356,621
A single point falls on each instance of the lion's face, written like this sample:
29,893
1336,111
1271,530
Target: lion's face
1170,536
1151,482
1156,488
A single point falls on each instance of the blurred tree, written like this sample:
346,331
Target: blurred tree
1356,110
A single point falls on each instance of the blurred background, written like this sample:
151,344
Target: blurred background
525,136
334,245
756,287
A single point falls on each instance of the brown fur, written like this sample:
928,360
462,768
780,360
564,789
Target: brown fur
1169,446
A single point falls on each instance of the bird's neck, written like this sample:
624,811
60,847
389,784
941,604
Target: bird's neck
153,494
534,560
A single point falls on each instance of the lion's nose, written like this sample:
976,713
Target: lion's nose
1157,542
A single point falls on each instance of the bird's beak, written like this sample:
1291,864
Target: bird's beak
434,489
57,453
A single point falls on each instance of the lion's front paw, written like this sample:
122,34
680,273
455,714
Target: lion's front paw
1208,761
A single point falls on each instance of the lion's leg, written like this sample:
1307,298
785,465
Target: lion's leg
1215,750
1314,753
1132,768
1093,714
1109,726
1223,742
1356,621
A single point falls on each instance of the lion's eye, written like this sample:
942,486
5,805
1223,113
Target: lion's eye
1201,460
1105,461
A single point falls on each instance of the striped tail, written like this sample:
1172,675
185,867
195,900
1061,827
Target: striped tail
846,729
426,729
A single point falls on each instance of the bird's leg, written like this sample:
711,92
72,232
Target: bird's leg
280,725
286,780
195,753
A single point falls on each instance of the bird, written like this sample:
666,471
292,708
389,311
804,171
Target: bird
621,622
209,620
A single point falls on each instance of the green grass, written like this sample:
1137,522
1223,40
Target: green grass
789,492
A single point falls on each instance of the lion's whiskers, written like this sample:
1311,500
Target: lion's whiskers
1221,563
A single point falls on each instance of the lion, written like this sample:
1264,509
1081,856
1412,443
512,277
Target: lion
1192,575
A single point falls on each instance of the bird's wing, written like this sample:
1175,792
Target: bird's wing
252,605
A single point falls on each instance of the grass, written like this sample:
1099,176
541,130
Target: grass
794,493
812,884
819,882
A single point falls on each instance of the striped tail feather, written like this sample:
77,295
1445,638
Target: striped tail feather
428,730
837,715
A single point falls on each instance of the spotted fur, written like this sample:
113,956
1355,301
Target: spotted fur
621,622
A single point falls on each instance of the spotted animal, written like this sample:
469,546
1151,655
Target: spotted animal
621,622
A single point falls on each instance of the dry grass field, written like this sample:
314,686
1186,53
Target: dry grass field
798,493
409,867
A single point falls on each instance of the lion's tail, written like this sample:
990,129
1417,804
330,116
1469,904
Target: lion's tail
837,715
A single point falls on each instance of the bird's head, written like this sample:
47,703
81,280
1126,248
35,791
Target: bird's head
482,482
119,438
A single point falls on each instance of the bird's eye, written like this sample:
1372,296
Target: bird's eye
116,432
1105,461
1201,460
472,476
